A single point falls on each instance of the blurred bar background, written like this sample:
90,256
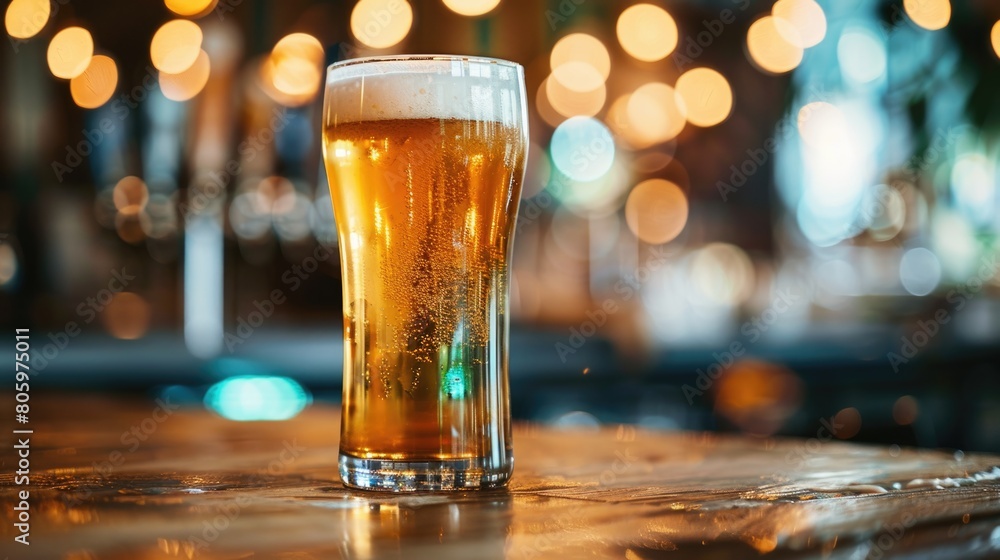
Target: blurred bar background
772,218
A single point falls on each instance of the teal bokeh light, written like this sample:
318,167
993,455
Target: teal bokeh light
582,149
257,397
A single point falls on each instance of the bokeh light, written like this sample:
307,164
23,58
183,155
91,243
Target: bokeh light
582,149
929,14
130,195
300,46
905,410
919,271
973,186
257,397
189,83
176,46
995,38
294,69
806,17
653,113
884,212
380,24
850,421
578,76
572,103
131,228
816,120
70,52
618,121
8,263
545,108
471,7
190,8
25,18
705,96
647,32
774,45
95,86
127,316
862,55
580,48
656,211
597,198
722,274
757,397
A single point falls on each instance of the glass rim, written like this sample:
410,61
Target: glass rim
420,58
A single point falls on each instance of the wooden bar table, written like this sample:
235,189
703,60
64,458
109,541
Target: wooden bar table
124,479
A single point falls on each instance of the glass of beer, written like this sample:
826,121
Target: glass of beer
425,156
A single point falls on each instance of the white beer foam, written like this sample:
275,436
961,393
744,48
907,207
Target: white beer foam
461,89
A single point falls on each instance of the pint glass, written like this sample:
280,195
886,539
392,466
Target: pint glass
425,156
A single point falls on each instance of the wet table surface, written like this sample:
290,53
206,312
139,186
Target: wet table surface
117,479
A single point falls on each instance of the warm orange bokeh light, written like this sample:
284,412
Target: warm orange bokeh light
905,410
127,316
380,24
653,113
544,108
190,8
25,18
758,397
929,14
95,86
130,195
850,421
806,17
647,32
189,83
175,46
70,52
294,69
583,50
570,103
656,211
705,95
578,76
774,45
8,263
471,7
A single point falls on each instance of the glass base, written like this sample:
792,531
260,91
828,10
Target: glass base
421,476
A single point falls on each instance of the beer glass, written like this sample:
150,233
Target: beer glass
425,156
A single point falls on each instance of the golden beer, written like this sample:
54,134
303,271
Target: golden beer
425,190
